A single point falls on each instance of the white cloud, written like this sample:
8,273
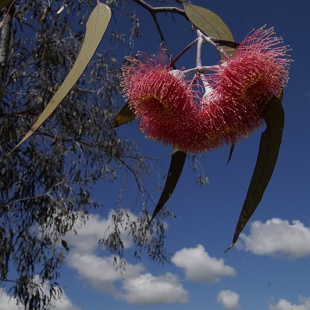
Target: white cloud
285,305
87,236
100,271
200,267
147,289
63,304
9,303
137,287
277,238
132,284
228,299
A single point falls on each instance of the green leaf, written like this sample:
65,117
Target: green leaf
210,24
95,28
65,245
267,157
175,170
124,116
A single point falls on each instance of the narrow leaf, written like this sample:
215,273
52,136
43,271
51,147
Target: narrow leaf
267,157
175,170
231,152
95,28
4,3
209,23
124,116
65,245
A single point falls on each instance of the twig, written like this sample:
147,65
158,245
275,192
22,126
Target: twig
153,11
217,46
200,69
131,169
161,35
183,51
166,9
199,46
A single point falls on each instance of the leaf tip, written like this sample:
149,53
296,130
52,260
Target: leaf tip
231,246
231,152
15,147
116,124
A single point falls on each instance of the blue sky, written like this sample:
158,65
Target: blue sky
269,266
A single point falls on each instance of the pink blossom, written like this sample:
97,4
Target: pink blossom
164,101
171,111
243,85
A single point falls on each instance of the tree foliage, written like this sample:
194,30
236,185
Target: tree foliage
45,184
47,180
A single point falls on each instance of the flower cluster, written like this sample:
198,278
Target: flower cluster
243,85
163,100
173,112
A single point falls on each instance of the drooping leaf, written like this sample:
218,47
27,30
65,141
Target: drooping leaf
210,24
95,28
267,157
65,245
175,170
231,152
124,116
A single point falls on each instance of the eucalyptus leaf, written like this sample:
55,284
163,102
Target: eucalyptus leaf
95,28
231,152
210,24
65,245
124,116
267,157
175,170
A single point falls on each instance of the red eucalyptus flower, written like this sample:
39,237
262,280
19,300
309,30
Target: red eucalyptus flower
169,108
244,84
236,94
163,100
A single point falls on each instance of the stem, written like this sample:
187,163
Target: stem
183,51
198,60
166,9
200,69
153,11
199,46
161,35
216,45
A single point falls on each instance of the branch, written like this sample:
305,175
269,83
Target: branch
166,9
153,11
6,38
131,169
5,41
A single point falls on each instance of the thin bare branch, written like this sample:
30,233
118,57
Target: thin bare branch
155,10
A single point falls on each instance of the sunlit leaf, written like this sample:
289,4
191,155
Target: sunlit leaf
210,24
267,157
95,28
175,170
124,116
